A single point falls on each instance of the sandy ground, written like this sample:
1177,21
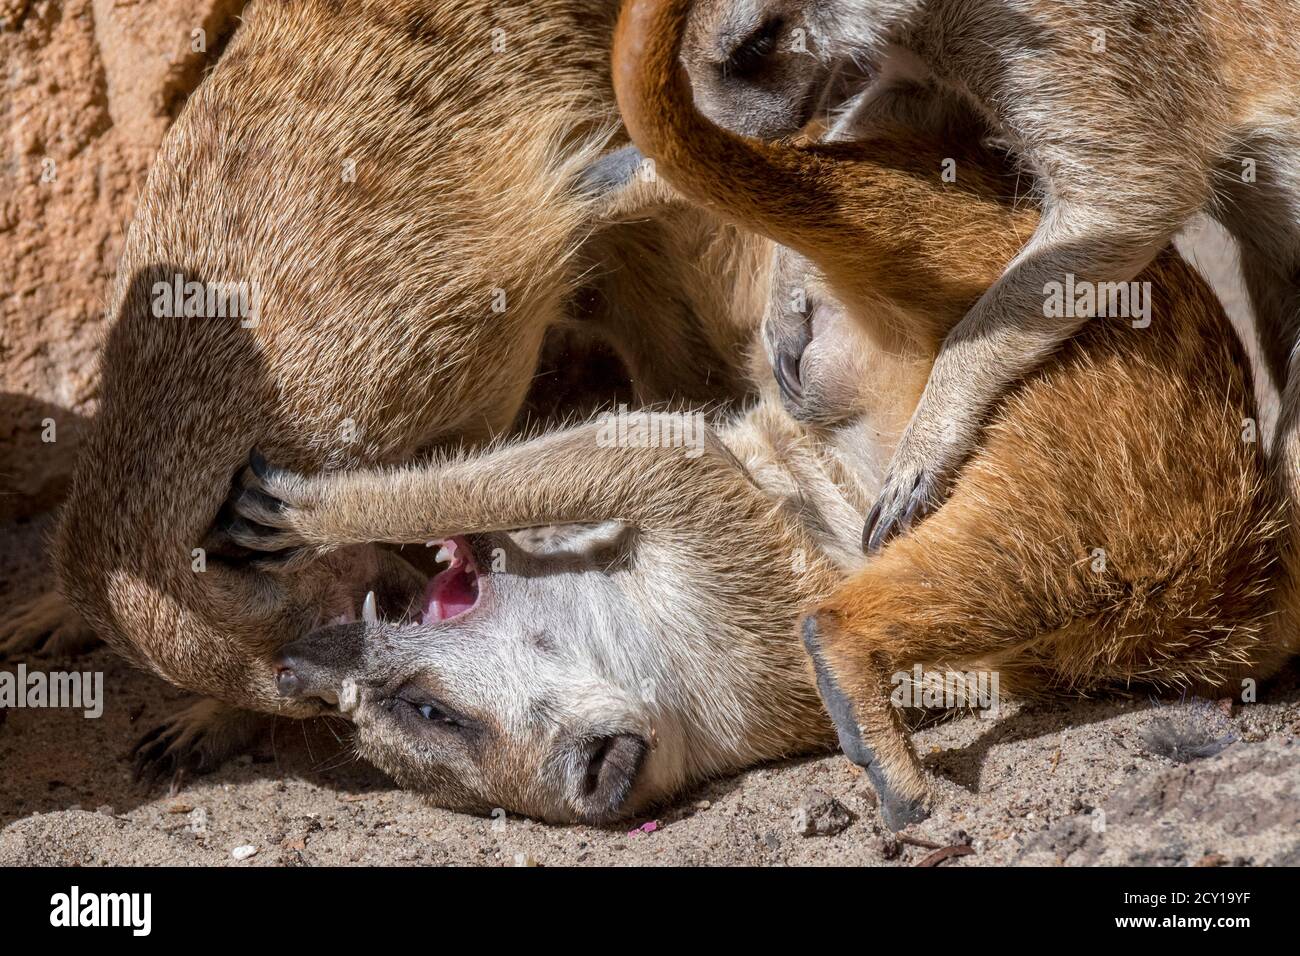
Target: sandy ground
1071,783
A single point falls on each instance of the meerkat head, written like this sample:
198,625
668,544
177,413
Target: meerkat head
521,679
765,68
573,674
753,65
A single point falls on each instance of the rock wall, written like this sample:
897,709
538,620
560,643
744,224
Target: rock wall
89,89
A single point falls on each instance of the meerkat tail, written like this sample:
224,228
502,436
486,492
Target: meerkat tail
741,179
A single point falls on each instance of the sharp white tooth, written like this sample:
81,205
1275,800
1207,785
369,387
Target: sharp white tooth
431,542
445,553
368,612
348,696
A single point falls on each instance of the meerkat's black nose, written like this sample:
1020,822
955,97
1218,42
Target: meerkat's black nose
287,681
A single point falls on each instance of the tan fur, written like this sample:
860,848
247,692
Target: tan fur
691,608
1128,440
370,167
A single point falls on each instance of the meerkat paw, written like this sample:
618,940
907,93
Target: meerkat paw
915,485
903,793
263,518
46,626
197,739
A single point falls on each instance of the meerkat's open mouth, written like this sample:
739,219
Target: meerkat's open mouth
455,591
404,595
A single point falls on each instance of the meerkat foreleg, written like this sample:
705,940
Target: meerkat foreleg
582,474
1006,334
199,737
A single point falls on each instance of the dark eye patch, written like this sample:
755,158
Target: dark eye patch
749,55
423,712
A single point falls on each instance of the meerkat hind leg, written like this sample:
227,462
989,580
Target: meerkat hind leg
198,738
917,603
46,626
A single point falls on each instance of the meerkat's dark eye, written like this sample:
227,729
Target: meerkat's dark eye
433,712
416,703
748,56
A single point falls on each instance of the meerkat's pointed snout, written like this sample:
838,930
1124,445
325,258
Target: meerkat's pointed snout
319,664
287,682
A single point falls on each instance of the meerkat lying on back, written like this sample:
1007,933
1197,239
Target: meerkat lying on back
1132,116
659,645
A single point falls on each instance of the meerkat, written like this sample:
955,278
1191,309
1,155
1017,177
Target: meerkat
658,642
406,236
1130,116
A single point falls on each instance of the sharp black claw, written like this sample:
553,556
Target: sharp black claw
275,560
144,764
787,376
148,767
147,738
869,527
915,506
884,531
242,528
261,499
880,531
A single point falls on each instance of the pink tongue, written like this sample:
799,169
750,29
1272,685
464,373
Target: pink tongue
451,592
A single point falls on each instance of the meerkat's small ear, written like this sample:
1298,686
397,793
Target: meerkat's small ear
622,183
611,768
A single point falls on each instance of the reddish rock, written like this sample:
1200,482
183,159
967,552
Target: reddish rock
90,87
